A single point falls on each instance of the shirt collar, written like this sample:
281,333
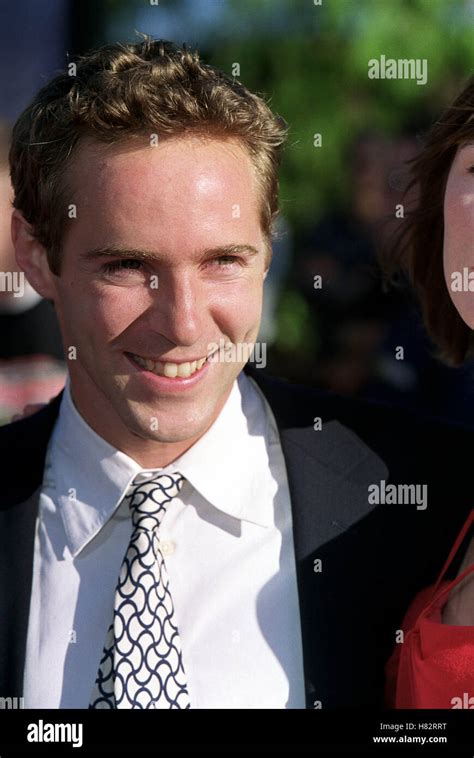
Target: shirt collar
228,465
91,476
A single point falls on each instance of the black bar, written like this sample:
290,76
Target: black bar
213,731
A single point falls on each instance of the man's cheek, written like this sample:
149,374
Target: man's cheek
106,319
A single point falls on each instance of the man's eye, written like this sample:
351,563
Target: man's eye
226,260
131,264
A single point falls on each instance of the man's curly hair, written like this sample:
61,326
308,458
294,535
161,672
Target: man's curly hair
122,91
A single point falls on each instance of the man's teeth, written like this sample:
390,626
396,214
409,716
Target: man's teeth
170,370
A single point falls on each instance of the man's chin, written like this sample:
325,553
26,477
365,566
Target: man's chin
166,432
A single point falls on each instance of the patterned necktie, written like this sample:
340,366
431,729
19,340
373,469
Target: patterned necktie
141,666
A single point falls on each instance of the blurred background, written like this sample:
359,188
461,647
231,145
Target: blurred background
342,178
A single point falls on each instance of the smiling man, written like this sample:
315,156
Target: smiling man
177,532
156,267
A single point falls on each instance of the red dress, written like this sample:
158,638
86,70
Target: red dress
434,666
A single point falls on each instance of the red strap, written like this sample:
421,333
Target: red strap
449,588
455,548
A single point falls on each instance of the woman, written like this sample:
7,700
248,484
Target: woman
433,665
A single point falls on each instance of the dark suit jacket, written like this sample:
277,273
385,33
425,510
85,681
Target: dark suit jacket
374,558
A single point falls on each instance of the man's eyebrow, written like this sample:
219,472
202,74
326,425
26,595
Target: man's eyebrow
146,255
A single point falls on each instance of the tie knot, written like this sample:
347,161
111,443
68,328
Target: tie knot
148,496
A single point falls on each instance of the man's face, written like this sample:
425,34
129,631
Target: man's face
458,250
180,201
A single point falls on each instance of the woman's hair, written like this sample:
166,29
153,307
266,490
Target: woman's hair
418,247
121,91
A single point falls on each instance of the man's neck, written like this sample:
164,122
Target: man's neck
148,453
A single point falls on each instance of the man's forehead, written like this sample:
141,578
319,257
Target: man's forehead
141,151
192,182
127,192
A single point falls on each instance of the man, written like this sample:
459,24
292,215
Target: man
177,532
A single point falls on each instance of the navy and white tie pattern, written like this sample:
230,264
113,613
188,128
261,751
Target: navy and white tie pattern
142,666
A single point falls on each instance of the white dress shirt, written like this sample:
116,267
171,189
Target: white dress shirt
228,545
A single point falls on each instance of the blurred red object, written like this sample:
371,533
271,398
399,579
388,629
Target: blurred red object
28,382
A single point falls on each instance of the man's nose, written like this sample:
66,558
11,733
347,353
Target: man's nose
178,310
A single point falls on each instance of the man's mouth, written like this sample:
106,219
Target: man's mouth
168,368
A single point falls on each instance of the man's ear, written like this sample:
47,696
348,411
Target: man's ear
31,256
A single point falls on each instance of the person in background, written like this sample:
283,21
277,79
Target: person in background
351,312
32,368
433,667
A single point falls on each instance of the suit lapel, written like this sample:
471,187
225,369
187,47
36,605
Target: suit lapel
16,565
328,475
23,449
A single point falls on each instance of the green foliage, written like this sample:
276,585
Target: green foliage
295,329
311,63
